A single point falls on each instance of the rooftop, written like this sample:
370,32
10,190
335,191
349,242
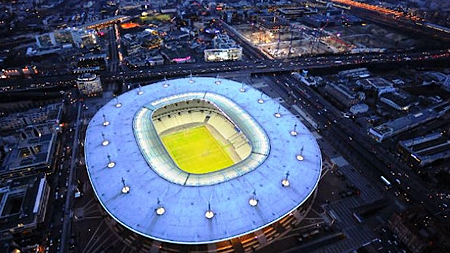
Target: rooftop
428,148
22,203
411,120
32,153
379,82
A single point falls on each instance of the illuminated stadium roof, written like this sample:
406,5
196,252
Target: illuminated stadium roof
156,200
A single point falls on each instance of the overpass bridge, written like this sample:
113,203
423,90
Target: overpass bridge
274,66
246,67
106,22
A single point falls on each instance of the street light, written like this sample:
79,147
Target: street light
105,142
217,82
165,84
118,105
285,182
294,132
209,213
253,201
300,156
260,100
105,122
125,188
160,209
277,114
190,77
111,164
242,89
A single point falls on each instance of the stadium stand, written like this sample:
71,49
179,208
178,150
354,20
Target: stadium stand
187,114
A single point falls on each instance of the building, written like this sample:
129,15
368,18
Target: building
359,108
318,21
273,23
354,73
23,204
177,53
45,40
378,84
399,125
73,36
407,233
225,49
308,80
144,59
343,94
84,38
63,37
293,13
249,203
446,84
130,4
432,77
400,101
351,20
31,150
426,149
89,84
155,60
413,229
50,114
18,72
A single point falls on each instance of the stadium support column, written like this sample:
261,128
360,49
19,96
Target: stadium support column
237,245
212,247
155,247
262,239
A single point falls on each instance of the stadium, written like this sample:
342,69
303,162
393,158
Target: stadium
201,164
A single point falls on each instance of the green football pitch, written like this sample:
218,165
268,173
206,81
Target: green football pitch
196,151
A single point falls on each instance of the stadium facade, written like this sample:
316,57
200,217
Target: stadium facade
276,169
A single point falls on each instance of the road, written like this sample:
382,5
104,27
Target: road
395,19
114,42
68,212
246,66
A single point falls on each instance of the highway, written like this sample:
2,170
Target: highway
245,66
396,19
375,8
273,66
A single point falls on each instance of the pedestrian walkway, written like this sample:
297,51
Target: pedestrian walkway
356,233
368,191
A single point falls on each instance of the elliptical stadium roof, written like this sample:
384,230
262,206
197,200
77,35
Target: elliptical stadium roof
184,220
